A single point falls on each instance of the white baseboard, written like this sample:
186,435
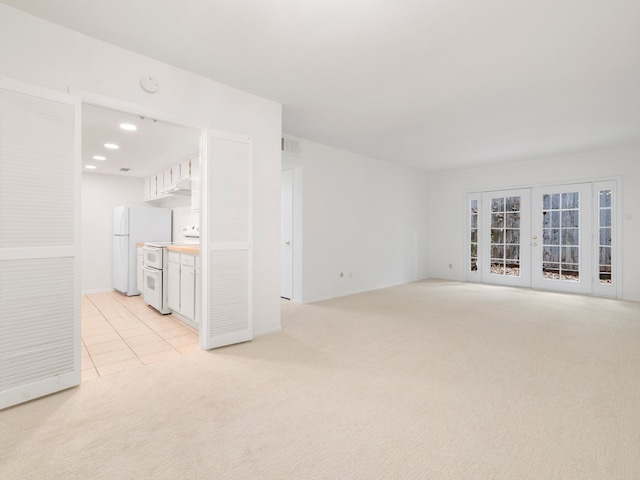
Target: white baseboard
266,332
97,290
358,291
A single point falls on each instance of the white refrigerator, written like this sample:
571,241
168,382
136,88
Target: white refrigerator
130,226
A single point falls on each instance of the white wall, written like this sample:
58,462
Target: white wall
100,193
183,216
447,207
41,53
361,217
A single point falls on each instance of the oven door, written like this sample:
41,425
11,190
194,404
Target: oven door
153,287
152,257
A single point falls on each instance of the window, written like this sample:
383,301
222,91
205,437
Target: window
473,240
605,234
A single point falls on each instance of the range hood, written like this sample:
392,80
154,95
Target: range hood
183,187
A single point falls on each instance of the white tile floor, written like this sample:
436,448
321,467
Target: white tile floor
120,333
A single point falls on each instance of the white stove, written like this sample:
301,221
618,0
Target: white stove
155,271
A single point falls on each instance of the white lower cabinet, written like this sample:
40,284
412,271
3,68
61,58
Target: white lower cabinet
198,308
188,286
139,274
182,289
173,287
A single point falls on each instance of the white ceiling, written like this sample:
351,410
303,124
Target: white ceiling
435,84
152,147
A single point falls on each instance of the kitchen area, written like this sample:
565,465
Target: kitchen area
141,241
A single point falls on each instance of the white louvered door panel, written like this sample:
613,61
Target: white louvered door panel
226,248
39,242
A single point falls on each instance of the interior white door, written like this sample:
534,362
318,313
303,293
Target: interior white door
39,242
562,232
226,239
505,249
286,234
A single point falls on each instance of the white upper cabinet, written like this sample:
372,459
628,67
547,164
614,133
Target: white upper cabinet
174,177
185,169
150,187
166,180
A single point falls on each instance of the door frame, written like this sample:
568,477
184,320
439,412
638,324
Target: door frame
293,163
286,234
113,103
205,130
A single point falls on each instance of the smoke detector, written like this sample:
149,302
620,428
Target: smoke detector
149,84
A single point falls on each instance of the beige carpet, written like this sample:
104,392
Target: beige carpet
431,380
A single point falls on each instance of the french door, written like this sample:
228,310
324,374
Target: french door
562,238
559,238
506,227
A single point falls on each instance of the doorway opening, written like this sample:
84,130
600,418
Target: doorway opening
291,224
286,234
121,332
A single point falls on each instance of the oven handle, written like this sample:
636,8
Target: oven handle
151,270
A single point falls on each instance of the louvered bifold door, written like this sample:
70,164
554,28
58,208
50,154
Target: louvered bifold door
226,247
39,242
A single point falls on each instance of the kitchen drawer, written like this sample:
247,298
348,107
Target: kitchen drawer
188,260
174,257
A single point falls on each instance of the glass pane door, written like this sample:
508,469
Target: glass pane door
561,238
505,250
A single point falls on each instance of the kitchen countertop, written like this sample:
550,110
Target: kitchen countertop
190,249
140,244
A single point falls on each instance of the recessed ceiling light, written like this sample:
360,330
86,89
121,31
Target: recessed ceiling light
112,146
128,126
99,157
92,167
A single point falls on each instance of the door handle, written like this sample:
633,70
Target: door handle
287,242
